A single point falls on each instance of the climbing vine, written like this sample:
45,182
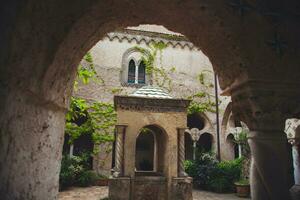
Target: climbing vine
86,72
94,118
202,101
159,74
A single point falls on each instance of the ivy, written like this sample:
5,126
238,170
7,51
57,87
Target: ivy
159,74
94,118
202,101
86,71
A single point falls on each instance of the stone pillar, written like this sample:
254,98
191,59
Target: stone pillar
295,190
31,140
181,152
195,135
264,112
119,150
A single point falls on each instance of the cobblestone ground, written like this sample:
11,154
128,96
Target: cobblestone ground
98,193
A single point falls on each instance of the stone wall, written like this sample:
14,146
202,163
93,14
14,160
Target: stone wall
182,63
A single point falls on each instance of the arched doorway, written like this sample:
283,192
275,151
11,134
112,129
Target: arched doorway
145,150
233,147
58,46
150,151
204,144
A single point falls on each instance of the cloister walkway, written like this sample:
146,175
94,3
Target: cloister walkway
98,193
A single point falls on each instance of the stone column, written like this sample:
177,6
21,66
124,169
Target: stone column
195,134
31,140
119,150
264,112
295,190
181,152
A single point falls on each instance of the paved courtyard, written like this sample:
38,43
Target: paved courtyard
98,193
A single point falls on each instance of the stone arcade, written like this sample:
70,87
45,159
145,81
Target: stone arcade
151,128
254,47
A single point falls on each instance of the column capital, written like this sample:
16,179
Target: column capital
181,130
265,105
121,127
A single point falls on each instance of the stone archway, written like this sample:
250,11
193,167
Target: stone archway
43,41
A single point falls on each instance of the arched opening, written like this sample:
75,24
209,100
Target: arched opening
204,143
57,51
150,151
188,145
233,147
145,150
195,121
131,71
142,73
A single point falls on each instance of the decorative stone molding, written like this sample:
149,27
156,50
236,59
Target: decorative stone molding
151,104
265,105
149,37
290,128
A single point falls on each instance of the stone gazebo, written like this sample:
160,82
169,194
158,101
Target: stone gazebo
149,150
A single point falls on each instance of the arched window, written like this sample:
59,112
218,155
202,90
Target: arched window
142,73
131,72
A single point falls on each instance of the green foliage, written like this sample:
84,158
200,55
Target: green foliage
203,101
116,90
201,169
160,75
242,182
210,174
97,119
224,175
87,178
75,171
86,72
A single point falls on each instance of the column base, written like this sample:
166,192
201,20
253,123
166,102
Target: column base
182,188
295,192
119,188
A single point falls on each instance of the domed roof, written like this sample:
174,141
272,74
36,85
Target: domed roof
151,92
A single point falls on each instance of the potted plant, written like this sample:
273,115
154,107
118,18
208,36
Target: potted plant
243,185
242,188
102,181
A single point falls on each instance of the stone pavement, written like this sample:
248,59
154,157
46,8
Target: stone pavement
98,193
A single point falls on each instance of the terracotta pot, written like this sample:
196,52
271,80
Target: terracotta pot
101,182
242,190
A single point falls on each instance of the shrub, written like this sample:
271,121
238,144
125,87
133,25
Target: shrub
87,178
210,174
224,175
201,169
75,171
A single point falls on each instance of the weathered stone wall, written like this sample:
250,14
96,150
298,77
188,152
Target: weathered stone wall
183,64
43,42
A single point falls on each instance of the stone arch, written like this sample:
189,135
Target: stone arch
205,123
45,40
160,143
232,147
127,56
205,142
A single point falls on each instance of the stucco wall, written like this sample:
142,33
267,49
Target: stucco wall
108,57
